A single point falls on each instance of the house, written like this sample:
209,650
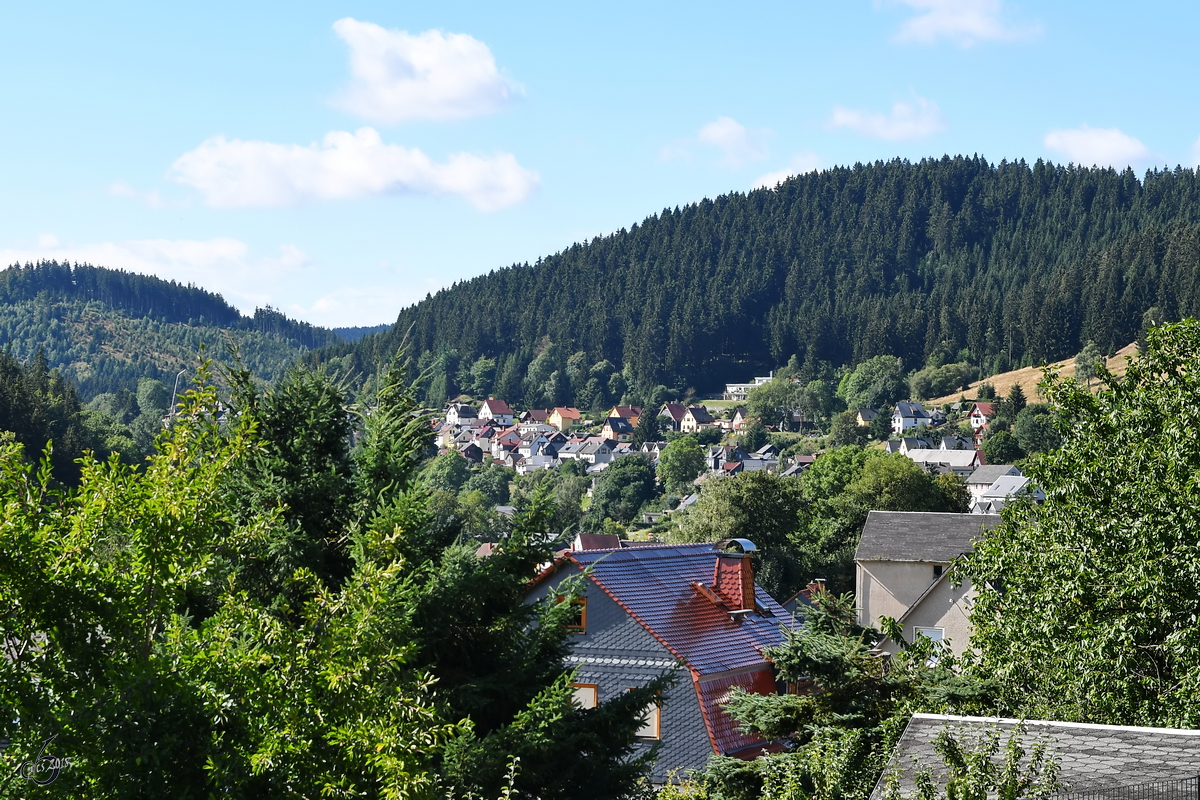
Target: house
908,415
910,443
730,468
939,462
982,479
694,419
563,418
741,391
980,415
903,567
739,420
596,451
459,414
672,414
535,415
718,454
957,443
865,416
497,411
471,452
999,494
653,449
1094,761
630,413
693,608
617,428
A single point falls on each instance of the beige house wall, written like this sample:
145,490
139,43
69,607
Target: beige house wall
888,588
947,607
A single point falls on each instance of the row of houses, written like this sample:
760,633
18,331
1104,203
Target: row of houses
696,610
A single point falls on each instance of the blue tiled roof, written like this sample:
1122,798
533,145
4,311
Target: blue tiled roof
654,584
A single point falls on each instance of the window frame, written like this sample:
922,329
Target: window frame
580,601
595,693
656,707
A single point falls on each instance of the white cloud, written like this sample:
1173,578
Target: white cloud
151,199
734,140
737,143
906,120
1088,147
221,265
964,22
232,173
799,165
398,76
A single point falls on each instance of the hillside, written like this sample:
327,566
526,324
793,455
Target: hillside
1029,377
103,329
1003,265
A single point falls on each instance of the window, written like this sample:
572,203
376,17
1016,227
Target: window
577,622
934,634
937,571
651,721
585,694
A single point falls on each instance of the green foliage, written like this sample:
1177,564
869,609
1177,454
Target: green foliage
943,380
448,472
765,508
874,383
1087,600
1035,431
680,463
1086,362
649,427
773,402
1002,447
754,437
492,481
624,486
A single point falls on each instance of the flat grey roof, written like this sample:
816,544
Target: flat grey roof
1090,757
920,535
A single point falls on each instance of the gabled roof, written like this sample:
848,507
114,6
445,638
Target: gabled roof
673,410
496,407
920,535
1006,486
618,425
910,410
626,412
655,586
987,475
1090,757
987,409
951,458
700,414
569,412
867,414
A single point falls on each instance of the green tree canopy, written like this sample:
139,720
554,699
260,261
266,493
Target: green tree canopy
1087,600
680,463
624,486
874,383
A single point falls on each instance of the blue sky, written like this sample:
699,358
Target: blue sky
341,160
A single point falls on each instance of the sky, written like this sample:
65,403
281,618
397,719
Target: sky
339,161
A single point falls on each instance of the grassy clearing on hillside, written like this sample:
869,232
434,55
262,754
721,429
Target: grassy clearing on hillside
1030,377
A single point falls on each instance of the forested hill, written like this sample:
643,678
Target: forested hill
1004,264
103,329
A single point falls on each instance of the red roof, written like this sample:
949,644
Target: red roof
654,584
675,410
724,731
496,407
626,412
985,409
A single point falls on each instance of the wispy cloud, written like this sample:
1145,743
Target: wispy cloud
398,76
1088,147
736,143
913,120
963,22
231,173
221,265
799,164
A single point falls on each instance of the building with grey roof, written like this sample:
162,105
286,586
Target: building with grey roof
903,568
1095,758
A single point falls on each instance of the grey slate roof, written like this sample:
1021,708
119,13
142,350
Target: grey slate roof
920,535
1091,757
987,474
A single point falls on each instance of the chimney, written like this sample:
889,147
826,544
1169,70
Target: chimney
733,574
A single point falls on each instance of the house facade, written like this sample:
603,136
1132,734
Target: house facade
903,568
497,411
692,609
907,416
696,418
564,417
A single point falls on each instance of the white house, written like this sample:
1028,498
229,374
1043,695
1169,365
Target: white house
907,416
497,411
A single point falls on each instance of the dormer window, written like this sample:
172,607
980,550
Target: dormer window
577,622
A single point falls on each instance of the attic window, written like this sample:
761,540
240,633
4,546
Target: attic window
585,694
937,571
577,622
651,721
